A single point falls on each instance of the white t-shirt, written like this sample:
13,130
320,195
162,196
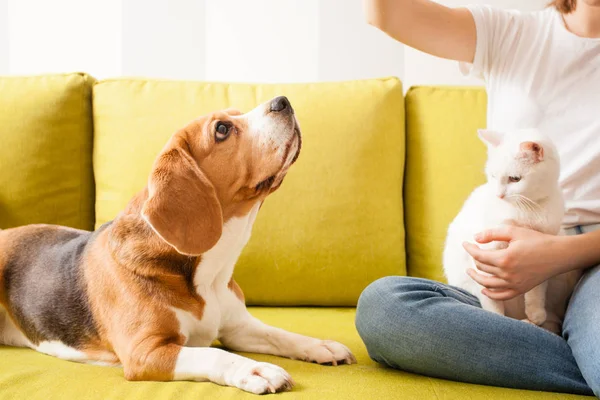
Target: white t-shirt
538,74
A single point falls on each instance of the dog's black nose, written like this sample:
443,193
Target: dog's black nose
280,103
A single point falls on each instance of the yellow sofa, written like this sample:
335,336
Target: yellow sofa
375,164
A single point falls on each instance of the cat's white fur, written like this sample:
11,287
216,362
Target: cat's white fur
535,202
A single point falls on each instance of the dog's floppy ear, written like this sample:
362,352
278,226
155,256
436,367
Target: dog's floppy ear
182,205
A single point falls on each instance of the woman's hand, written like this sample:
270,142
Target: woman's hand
530,259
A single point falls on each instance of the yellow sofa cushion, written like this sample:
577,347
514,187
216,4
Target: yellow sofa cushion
46,151
25,374
445,162
337,222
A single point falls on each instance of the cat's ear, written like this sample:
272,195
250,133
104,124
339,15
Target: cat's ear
490,138
532,150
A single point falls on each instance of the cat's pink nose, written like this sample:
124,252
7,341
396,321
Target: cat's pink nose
501,195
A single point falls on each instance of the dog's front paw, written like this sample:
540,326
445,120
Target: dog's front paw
262,378
328,352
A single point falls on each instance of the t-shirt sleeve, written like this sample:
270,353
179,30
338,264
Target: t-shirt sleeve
497,30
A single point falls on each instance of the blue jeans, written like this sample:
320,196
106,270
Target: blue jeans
433,329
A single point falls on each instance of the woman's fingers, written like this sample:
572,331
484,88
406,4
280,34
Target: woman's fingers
501,295
504,233
492,282
490,269
489,257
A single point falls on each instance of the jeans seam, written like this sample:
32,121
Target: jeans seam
457,292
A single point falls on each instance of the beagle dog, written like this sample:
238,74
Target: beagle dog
153,289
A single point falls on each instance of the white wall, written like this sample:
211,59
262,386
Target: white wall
262,40
165,39
64,35
3,36
222,40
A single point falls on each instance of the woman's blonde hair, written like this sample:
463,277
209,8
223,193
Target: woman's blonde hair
564,6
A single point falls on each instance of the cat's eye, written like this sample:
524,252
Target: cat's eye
514,179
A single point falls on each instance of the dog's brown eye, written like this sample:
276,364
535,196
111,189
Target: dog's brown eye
514,179
222,131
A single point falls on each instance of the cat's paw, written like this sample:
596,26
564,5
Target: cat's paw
494,306
554,327
536,317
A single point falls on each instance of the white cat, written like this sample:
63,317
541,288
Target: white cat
522,189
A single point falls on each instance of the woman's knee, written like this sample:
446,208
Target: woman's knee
384,315
374,297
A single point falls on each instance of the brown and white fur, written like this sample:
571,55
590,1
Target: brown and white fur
153,289
522,189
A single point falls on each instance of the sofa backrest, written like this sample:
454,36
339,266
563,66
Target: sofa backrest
334,226
444,163
46,151
337,223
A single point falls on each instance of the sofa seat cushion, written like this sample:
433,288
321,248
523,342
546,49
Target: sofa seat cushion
25,374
